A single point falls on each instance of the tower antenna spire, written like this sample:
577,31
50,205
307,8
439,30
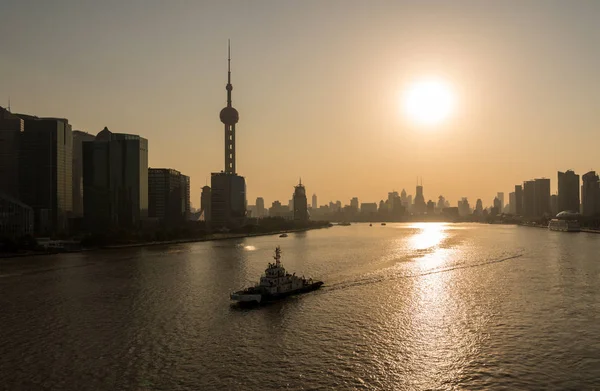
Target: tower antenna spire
8,104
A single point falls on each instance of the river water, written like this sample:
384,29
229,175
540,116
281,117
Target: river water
404,306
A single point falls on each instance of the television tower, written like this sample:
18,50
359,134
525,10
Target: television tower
229,116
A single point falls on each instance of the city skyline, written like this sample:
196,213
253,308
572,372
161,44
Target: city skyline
149,79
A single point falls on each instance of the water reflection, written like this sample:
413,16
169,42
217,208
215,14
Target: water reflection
427,243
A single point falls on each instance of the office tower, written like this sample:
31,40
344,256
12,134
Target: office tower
519,200
314,201
115,181
354,204
205,204
590,194
496,209
404,199
464,209
11,128
392,196
554,204
78,138
528,198
542,197
512,202
300,206
260,207
479,207
500,196
441,204
368,207
278,210
568,191
46,172
168,196
420,206
228,190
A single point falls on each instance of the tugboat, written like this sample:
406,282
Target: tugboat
275,284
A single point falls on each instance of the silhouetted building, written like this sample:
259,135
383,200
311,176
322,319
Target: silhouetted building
464,209
568,191
590,194
299,203
528,198
554,204
278,210
168,196
497,206
115,181
419,206
512,202
542,197
500,197
228,195
260,207
450,212
46,172
16,218
205,204
78,138
11,128
479,207
430,207
314,201
354,204
519,200
368,207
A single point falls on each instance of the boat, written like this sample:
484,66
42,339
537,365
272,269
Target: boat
382,223
564,225
370,225
275,284
283,235
344,224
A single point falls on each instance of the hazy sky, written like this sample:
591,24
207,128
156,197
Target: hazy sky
318,87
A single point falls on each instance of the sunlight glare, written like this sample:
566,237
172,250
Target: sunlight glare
428,102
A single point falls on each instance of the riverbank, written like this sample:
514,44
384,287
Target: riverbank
211,237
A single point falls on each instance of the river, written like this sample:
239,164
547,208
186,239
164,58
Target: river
404,306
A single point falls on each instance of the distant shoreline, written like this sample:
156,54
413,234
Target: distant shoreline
208,238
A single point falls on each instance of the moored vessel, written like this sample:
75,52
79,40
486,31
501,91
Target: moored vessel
564,225
275,284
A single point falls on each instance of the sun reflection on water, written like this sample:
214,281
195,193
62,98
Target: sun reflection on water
427,242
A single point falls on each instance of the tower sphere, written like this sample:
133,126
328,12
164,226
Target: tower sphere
229,116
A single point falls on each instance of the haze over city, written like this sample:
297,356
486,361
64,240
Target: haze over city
319,87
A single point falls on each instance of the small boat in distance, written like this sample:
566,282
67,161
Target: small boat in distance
344,224
283,235
275,284
382,223
370,225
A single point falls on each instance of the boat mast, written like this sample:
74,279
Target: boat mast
277,256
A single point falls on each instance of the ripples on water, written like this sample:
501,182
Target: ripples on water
421,306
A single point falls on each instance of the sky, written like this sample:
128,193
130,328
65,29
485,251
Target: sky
318,85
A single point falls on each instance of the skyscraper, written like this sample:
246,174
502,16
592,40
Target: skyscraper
300,204
205,197
512,201
115,181
354,204
528,198
228,190
11,128
168,196
519,200
590,194
420,205
46,172
479,207
500,196
542,197
78,138
260,207
314,202
568,191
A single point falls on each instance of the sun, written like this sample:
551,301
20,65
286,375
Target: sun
429,102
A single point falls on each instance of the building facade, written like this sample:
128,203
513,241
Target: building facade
46,172
78,138
568,191
260,207
228,200
11,128
528,198
542,206
300,204
115,181
205,203
519,200
168,196
16,218
590,194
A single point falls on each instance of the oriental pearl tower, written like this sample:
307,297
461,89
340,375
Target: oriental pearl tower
229,116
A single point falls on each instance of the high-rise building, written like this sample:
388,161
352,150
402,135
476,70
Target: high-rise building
464,209
228,194
590,194
368,207
260,207
479,207
205,204
500,196
528,198
115,181
420,206
78,138
300,206
512,202
46,172
354,204
11,128
554,204
568,191
16,218
542,197
168,196
314,201
519,200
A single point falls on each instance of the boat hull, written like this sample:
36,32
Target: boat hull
258,298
